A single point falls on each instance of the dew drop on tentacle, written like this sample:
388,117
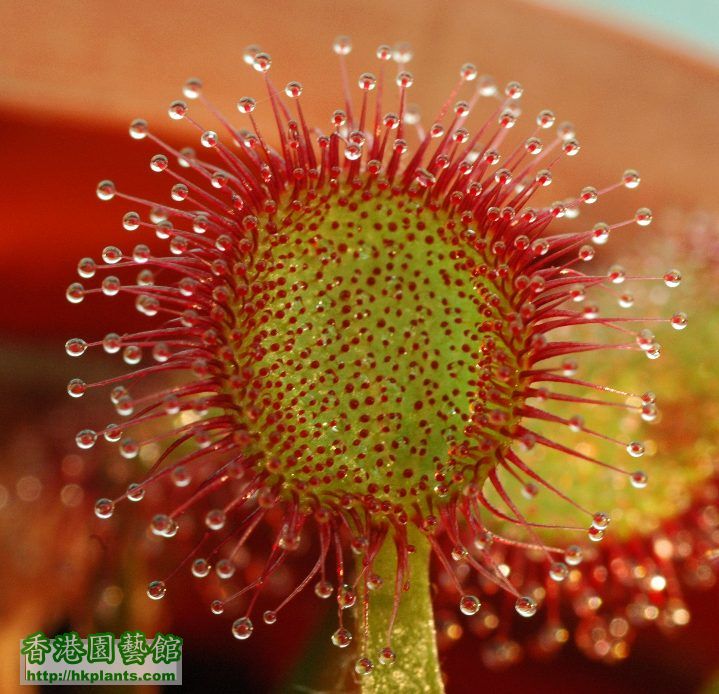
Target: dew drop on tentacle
106,190
643,217
600,521
635,449
363,666
135,492
163,525
75,347
192,89
346,597
269,617
156,590
526,606
323,589
573,555
387,656
76,388
104,508
469,605
139,129
86,438
558,571
75,293
342,638
679,321
225,569
242,628
215,519
200,568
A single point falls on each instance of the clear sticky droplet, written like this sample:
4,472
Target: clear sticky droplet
342,45
573,555
209,139
387,656
181,477
635,449
514,90
404,80
200,568
525,606
672,278
225,569
135,492
75,293
86,268
643,217
177,110
111,285
545,119
159,163
402,53
141,253
469,604
106,190
75,347
341,638
384,52
112,433
112,343
192,88
600,233
293,89
346,597
363,666
679,321
76,388
323,589
139,129
163,525
631,178
638,479
558,571
246,104
156,590
131,221
242,628
104,508
86,439
111,255
269,617
132,355
262,63
600,520
215,519
179,192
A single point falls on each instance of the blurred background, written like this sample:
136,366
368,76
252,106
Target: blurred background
640,80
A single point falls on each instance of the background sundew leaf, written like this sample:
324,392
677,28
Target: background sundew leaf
662,542
711,687
680,437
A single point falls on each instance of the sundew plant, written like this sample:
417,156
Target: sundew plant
356,333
